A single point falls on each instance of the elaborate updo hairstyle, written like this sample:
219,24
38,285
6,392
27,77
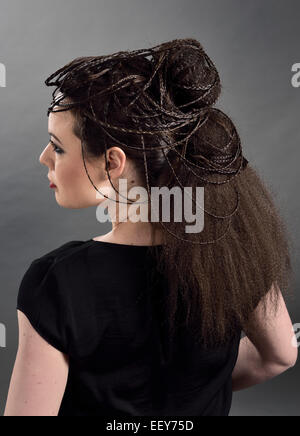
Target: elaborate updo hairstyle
157,105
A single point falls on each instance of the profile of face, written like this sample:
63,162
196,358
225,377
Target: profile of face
63,158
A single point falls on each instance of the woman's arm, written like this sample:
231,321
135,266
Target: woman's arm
39,376
268,350
251,369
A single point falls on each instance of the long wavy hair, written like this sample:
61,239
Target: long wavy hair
160,112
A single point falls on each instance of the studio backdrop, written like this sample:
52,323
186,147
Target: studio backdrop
255,47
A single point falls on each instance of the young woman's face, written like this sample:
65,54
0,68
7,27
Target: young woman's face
65,165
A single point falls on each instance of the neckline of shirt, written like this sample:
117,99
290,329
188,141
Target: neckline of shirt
120,245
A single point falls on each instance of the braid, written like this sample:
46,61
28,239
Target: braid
85,73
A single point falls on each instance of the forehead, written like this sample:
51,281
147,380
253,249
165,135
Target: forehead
60,120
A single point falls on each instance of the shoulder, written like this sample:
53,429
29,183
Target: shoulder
49,267
57,256
45,292
67,249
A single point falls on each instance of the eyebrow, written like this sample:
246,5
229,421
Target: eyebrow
54,136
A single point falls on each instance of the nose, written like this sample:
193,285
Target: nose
42,158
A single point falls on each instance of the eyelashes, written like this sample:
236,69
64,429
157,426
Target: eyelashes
56,149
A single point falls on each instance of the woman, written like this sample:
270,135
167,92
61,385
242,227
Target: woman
147,319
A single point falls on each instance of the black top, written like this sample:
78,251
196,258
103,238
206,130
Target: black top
89,299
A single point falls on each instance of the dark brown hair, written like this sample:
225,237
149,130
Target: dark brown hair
160,112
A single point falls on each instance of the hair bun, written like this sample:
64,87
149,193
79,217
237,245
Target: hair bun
192,78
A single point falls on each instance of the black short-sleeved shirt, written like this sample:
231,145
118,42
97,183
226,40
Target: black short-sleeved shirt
93,301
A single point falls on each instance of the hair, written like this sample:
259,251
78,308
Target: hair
160,112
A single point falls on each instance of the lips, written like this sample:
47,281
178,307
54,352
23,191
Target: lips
51,184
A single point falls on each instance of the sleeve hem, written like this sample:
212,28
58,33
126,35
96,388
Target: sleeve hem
52,341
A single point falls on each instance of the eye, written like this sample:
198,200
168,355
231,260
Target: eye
56,148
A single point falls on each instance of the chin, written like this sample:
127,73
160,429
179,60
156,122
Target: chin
73,205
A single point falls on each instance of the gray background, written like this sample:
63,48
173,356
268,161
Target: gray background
253,44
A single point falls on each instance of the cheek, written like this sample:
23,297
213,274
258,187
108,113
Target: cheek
73,183
68,175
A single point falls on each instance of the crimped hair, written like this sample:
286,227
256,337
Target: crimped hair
160,112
